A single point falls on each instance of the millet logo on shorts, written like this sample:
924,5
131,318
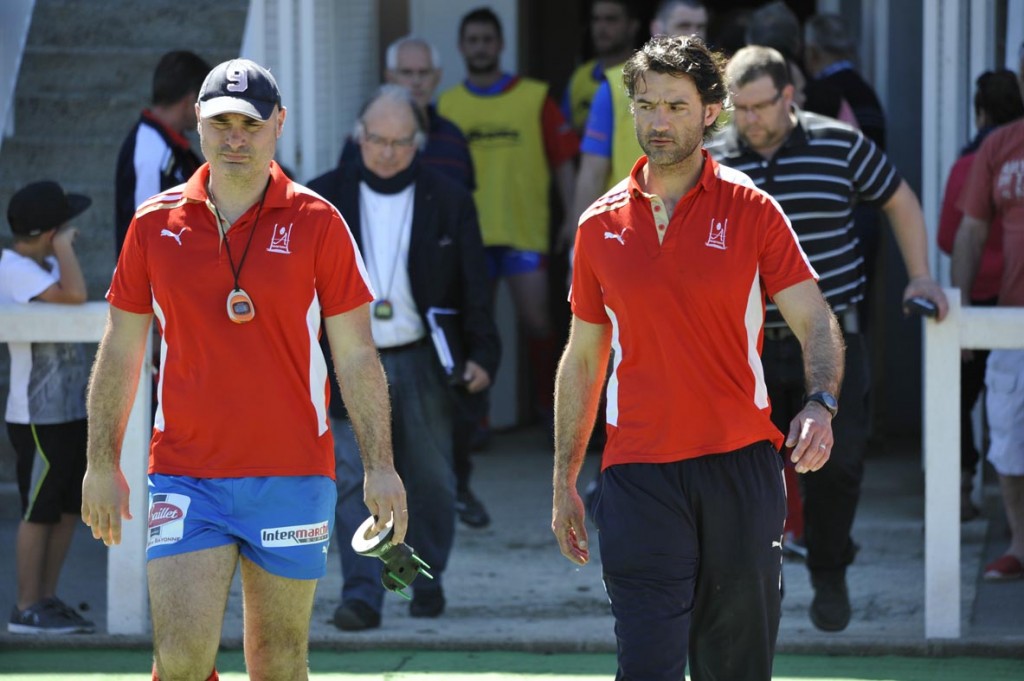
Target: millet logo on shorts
167,518
296,535
163,513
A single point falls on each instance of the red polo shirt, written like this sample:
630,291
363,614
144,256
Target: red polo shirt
686,314
240,400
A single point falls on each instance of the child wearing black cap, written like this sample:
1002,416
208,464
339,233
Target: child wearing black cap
46,405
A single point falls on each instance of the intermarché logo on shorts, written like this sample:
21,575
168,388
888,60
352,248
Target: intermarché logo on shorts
296,535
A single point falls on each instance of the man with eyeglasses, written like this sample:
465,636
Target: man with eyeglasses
418,232
415,64
818,170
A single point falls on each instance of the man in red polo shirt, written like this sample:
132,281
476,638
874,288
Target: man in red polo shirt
238,265
671,270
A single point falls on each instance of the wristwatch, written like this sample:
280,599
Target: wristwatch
825,399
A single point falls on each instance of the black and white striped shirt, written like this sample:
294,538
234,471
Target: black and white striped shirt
818,175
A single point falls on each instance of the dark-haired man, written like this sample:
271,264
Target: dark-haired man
520,142
156,155
609,148
671,269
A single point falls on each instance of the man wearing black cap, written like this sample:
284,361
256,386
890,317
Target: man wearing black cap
239,265
46,405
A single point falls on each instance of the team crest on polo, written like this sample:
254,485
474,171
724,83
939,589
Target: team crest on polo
167,518
716,234
281,238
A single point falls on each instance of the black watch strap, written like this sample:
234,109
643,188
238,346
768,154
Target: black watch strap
825,399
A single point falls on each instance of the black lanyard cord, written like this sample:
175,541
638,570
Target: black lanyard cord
227,244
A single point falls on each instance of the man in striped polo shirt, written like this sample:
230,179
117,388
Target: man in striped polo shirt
818,169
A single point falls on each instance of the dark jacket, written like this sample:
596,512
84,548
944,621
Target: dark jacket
176,161
850,85
446,256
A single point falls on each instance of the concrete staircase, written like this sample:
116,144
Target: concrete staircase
85,75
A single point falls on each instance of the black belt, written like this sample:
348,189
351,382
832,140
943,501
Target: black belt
848,322
403,347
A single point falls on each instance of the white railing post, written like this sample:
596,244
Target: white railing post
941,440
964,328
127,602
127,586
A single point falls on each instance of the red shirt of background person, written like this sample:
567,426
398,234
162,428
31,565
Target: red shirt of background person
997,101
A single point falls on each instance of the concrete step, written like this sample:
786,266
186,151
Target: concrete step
10,501
77,160
158,24
86,72
73,114
124,70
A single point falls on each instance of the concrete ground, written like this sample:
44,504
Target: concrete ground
508,587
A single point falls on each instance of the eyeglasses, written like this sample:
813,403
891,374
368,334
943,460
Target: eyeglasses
415,73
385,142
758,109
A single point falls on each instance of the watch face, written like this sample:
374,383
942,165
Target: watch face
827,400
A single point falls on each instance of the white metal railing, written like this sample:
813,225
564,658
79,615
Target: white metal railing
964,327
15,19
127,600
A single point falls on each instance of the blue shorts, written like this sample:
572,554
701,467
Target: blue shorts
283,524
505,261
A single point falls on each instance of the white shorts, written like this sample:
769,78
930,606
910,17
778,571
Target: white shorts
1004,403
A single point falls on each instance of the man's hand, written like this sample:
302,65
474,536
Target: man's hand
810,436
568,524
475,377
105,496
926,287
384,496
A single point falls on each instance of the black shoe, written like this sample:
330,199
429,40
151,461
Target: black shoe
84,626
356,616
427,603
830,609
470,510
794,546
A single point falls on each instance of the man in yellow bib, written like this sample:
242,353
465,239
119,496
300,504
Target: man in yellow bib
609,147
613,29
519,141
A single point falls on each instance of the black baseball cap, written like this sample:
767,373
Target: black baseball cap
42,206
239,86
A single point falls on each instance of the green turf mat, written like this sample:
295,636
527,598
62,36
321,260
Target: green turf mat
125,665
